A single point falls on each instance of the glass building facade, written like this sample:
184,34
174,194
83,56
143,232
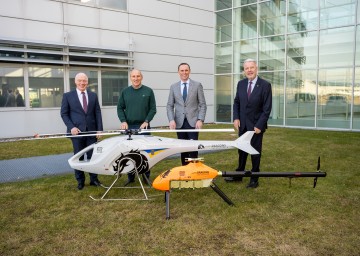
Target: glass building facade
37,75
308,49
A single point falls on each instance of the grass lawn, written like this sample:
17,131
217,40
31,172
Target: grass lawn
49,216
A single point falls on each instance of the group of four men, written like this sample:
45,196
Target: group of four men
186,109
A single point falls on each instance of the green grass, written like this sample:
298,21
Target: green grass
49,216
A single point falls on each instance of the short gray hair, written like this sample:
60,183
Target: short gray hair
250,60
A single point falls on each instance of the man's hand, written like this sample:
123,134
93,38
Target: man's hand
98,135
257,130
236,124
144,125
198,124
172,125
124,126
75,131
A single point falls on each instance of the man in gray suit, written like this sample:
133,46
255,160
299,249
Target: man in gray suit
186,108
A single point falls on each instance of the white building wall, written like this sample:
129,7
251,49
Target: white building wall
161,34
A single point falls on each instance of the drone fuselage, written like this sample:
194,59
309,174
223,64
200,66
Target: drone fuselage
121,154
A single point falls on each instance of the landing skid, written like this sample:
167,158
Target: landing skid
112,186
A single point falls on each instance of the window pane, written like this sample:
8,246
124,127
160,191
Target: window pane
112,84
46,87
301,98
302,50
356,119
337,47
223,58
277,86
223,4
245,49
272,18
337,13
302,15
12,87
245,24
224,99
357,59
272,53
114,4
243,2
334,101
92,79
223,26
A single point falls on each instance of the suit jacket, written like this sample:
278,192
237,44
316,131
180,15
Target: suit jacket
255,111
74,115
193,109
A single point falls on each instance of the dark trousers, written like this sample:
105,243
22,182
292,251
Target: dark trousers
188,136
79,144
131,176
256,142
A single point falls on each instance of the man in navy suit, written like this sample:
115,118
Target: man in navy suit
252,107
80,111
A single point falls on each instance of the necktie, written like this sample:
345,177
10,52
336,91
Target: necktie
184,92
249,90
84,102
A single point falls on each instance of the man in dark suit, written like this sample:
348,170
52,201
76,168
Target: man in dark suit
186,107
80,111
252,107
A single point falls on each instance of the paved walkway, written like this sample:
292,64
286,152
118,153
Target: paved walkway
34,167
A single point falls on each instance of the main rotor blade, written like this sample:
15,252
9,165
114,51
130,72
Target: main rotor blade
183,130
107,132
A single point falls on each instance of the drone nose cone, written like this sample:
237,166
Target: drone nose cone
161,183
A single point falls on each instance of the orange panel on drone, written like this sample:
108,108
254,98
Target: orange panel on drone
194,171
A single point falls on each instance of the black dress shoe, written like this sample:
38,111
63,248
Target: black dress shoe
253,184
95,183
232,179
128,182
80,186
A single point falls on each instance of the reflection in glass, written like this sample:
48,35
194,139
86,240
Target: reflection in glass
46,87
277,86
272,53
92,79
357,54
334,97
245,24
114,4
337,13
356,109
244,49
337,47
12,87
302,50
223,26
272,18
243,2
224,99
300,98
223,4
302,15
112,83
223,58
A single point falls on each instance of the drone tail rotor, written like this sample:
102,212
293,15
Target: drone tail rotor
243,143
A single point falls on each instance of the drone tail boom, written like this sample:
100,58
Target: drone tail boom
273,174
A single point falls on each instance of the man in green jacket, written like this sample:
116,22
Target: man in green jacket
136,108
